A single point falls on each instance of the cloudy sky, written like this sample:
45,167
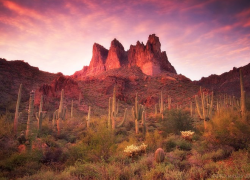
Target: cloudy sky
201,37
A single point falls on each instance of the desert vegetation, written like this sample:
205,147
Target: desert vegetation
208,138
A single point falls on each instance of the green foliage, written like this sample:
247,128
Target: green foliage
228,128
177,120
172,142
21,164
85,171
154,140
6,126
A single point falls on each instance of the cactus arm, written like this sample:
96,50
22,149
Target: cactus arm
124,119
198,106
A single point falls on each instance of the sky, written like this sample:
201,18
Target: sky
200,37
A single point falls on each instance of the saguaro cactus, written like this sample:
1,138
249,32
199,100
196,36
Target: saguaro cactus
80,97
191,108
110,112
205,115
88,119
17,114
169,102
30,116
72,108
137,113
40,115
243,97
144,122
162,104
113,114
156,109
159,155
61,113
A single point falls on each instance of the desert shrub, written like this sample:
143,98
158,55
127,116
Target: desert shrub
197,173
154,140
155,173
85,171
96,143
237,166
176,120
18,165
178,159
6,126
50,175
172,142
227,128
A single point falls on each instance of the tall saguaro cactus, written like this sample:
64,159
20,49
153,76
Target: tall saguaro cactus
40,115
61,113
88,118
114,110
206,111
161,104
191,109
137,113
169,102
30,116
110,112
243,97
17,114
72,109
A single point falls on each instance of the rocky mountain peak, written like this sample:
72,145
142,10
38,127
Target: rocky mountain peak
149,58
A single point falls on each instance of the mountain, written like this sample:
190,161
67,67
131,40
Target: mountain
149,58
228,82
13,73
143,69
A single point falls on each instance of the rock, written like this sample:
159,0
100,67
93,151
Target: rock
97,63
150,59
116,56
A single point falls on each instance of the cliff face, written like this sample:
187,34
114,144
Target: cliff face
150,59
97,63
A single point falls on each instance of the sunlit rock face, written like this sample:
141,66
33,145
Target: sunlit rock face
116,55
149,58
97,63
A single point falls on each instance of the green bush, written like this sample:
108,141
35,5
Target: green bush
173,141
6,125
227,128
177,120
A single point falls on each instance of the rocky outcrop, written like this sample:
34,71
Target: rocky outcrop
53,90
149,58
116,56
97,63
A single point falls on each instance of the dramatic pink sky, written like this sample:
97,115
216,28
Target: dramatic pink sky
201,37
